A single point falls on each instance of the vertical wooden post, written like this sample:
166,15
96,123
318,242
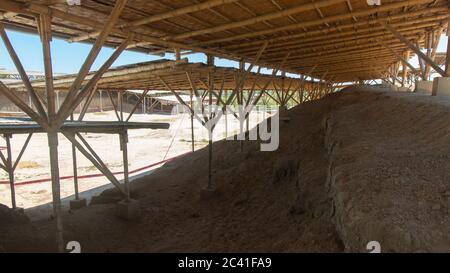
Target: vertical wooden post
177,54
225,114
447,59
192,122
56,191
210,62
57,101
120,103
45,32
124,148
210,133
405,69
240,98
10,170
101,100
75,167
428,44
143,105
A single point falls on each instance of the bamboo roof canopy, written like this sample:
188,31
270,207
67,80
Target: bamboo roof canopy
148,75
341,37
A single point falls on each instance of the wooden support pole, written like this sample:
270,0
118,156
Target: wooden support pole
87,104
405,68
75,168
141,98
24,147
447,56
416,50
120,103
114,105
192,121
90,154
56,191
210,131
44,26
124,148
45,31
66,110
23,75
100,94
433,39
13,97
225,112
73,91
177,54
10,169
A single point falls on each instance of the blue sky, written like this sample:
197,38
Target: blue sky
68,57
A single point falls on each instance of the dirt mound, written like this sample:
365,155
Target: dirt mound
17,233
354,167
389,163
11,217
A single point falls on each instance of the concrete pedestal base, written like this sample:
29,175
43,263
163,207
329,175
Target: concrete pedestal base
207,193
128,209
77,204
441,86
424,87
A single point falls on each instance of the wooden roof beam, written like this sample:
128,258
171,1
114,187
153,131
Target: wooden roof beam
355,39
362,52
279,7
319,11
301,53
370,22
329,19
258,19
350,9
178,12
163,16
365,49
351,35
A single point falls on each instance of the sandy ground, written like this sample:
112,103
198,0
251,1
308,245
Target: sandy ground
145,147
360,165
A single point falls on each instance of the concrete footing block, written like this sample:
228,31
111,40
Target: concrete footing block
441,86
77,204
207,193
424,87
128,209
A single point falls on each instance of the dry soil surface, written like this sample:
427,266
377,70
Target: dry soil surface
357,166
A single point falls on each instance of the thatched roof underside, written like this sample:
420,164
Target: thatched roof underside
339,36
154,75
